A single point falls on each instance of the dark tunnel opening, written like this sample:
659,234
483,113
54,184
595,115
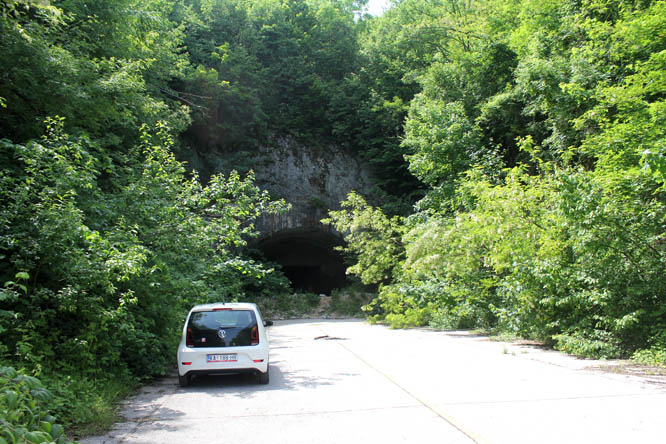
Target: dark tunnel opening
308,258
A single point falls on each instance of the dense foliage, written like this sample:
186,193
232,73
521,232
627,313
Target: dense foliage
23,415
538,129
98,283
518,149
264,67
106,240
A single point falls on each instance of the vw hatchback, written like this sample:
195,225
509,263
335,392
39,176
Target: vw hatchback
223,338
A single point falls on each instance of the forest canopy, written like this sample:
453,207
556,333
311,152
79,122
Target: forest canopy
519,149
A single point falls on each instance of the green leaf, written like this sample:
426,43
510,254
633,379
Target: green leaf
22,275
57,431
46,426
37,437
12,399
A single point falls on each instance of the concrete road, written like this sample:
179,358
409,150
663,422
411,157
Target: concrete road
369,384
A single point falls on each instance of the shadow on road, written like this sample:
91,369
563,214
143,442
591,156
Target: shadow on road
246,386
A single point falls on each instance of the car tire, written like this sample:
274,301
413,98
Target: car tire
263,377
184,381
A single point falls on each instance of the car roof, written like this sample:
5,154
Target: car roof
232,305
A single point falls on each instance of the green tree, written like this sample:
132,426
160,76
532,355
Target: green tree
105,66
373,239
265,67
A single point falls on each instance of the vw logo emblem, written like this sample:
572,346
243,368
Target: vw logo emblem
221,333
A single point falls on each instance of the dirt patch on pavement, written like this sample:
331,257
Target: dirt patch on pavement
651,375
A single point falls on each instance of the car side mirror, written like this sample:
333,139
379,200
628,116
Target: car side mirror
268,323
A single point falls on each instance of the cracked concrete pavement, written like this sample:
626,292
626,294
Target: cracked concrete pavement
359,383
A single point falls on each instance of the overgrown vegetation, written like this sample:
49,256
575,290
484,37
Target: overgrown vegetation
538,130
530,135
349,301
106,240
23,415
292,305
343,302
102,280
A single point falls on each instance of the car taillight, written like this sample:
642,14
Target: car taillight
254,336
222,309
189,340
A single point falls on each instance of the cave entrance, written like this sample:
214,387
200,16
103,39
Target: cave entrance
308,258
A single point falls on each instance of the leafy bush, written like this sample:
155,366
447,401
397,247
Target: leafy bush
655,354
288,304
348,301
578,345
569,258
401,307
23,413
460,317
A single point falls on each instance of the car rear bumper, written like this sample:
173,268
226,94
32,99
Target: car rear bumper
249,359
231,371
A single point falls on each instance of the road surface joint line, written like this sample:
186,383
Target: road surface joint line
447,418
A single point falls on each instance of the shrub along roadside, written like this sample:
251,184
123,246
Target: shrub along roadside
101,261
565,257
24,415
541,143
71,407
343,302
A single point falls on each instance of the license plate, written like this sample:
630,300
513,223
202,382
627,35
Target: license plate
229,357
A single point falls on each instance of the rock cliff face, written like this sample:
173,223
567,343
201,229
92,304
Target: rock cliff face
312,180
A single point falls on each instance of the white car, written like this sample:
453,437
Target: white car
223,338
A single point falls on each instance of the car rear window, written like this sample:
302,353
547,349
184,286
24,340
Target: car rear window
222,328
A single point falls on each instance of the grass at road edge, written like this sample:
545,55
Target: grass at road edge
87,406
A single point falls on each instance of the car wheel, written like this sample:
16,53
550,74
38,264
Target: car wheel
184,381
264,377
